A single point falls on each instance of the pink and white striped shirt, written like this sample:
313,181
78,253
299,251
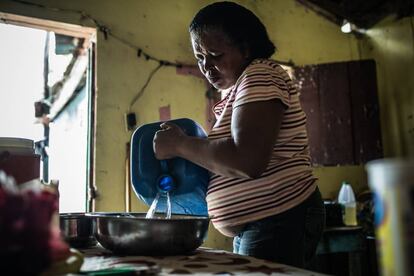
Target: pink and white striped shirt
288,179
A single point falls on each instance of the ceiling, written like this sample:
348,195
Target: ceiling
363,13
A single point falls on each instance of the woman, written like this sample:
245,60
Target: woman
262,191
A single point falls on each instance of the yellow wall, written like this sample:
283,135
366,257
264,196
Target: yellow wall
391,44
160,28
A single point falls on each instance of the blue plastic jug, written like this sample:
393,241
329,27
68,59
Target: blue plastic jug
185,181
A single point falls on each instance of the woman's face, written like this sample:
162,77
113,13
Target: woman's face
220,61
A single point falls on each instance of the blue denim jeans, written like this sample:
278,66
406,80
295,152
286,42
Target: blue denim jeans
290,237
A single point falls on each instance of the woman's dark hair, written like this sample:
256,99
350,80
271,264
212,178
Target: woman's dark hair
241,26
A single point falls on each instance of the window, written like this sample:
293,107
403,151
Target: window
341,104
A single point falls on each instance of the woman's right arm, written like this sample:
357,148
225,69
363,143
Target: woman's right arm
254,129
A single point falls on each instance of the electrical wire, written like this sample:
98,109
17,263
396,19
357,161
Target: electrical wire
141,91
104,30
108,33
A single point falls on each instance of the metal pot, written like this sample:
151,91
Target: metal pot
77,229
133,234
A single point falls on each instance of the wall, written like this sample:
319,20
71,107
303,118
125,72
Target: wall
160,28
391,44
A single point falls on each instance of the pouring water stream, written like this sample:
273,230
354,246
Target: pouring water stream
153,207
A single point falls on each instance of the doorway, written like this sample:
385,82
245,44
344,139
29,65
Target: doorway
47,95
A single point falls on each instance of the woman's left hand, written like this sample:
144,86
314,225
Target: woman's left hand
167,140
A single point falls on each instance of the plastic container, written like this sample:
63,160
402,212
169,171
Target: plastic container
185,181
346,198
392,181
18,159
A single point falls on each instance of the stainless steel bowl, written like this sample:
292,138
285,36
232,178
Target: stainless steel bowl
77,229
133,234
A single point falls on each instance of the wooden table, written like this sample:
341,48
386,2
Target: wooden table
204,261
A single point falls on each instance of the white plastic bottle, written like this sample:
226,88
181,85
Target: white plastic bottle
346,198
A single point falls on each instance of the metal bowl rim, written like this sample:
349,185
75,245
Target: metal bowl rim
121,215
73,215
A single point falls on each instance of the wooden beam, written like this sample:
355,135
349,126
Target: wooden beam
87,33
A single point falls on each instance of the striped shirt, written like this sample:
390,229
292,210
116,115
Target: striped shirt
288,179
